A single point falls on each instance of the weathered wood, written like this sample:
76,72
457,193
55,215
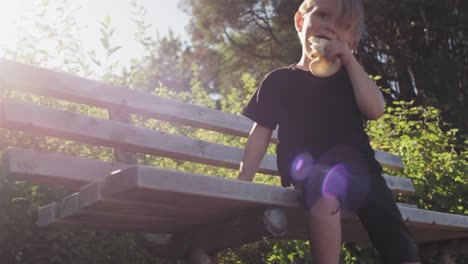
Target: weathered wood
140,185
91,198
74,172
49,216
68,212
93,190
96,131
43,120
121,156
76,89
248,226
399,184
80,90
389,160
52,169
421,216
407,205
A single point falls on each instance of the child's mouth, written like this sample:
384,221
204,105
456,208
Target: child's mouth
321,36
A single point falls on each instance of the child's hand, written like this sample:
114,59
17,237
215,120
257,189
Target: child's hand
338,49
320,65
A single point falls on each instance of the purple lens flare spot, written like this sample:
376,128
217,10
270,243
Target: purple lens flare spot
335,183
301,166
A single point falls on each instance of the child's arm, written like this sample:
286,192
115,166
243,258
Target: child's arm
368,96
255,148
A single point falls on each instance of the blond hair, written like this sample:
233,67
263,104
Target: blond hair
351,13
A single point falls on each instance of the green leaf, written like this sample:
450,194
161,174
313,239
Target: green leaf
113,50
105,42
107,20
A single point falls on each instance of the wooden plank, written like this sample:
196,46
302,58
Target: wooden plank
91,198
43,120
246,227
427,217
52,169
68,213
238,232
49,217
389,160
81,90
139,183
249,228
399,184
120,115
407,205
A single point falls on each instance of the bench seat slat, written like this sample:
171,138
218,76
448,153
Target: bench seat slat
245,227
74,172
50,216
85,91
91,197
132,180
192,190
143,183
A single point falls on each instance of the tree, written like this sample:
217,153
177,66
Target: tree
418,47
238,36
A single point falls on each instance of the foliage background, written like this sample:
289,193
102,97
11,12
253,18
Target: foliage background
425,131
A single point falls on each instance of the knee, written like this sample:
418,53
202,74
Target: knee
325,206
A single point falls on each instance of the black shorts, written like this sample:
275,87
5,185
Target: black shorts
365,193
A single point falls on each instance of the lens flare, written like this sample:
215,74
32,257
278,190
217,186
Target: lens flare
335,183
299,164
302,167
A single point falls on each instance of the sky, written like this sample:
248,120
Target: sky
161,14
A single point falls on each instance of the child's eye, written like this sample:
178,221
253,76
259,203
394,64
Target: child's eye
346,27
322,14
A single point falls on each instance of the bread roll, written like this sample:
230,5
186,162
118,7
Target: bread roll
319,65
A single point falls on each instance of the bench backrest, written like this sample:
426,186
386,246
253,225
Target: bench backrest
43,120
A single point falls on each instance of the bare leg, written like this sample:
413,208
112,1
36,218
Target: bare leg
325,230
199,256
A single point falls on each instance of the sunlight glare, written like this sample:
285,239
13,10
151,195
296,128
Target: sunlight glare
10,12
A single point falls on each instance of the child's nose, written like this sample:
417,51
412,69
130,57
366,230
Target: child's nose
331,30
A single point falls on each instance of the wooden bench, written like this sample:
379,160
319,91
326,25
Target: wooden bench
179,212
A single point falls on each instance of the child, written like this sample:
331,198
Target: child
320,126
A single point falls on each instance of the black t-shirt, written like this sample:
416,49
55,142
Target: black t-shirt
314,115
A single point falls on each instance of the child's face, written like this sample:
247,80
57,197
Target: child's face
323,21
